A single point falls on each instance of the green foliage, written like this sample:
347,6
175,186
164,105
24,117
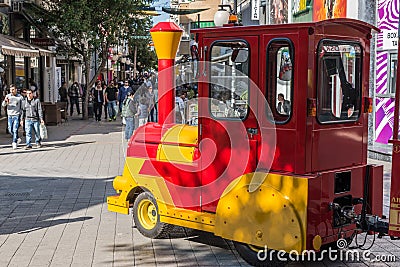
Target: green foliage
85,28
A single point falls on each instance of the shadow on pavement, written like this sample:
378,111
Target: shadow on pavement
31,203
46,224
45,147
62,132
208,239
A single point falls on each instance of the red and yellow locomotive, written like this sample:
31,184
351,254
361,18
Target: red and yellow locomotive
278,157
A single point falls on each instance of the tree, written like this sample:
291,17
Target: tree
87,28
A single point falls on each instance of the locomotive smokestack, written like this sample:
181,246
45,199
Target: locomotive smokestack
166,37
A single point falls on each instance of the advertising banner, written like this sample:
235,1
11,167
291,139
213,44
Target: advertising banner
329,9
278,11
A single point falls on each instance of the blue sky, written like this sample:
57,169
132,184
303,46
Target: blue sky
158,4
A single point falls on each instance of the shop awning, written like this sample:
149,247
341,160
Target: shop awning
182,11
12,46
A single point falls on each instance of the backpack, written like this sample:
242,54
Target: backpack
126,111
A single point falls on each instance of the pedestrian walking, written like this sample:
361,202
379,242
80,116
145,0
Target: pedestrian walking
180,107
73,93
63,93
23,94
143,111
104,86
13,103
98,100
129,111
110,97
152,101
32,113
122,93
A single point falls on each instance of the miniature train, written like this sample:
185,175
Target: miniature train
290,174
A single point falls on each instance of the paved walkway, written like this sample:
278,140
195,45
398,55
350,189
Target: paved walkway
53,210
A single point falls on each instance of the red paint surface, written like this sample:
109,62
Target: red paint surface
166,92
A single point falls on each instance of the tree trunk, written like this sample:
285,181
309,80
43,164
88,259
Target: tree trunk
87,94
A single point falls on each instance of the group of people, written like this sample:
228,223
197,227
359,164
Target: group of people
73,93
25,110
139,103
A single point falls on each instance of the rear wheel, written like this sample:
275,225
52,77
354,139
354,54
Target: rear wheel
257,256
147,218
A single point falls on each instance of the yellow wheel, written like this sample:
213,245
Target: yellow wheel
146,217
147,214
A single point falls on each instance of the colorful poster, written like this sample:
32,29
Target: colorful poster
329,9
384,119
299,6
388,17
279,11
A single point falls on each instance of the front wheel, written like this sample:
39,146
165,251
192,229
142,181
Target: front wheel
257,256
146,217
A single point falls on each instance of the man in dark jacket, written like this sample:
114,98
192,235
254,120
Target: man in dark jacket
74,93
33,115
98,100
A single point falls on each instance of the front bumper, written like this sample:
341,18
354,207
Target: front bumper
116,204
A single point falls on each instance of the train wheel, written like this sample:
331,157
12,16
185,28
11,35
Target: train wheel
256,255
146,217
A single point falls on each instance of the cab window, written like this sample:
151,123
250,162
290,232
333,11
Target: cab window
229,81
339,81
280,79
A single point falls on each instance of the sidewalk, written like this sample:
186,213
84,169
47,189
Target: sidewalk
53,208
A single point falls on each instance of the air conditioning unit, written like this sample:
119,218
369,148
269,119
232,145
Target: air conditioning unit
5,3
16,6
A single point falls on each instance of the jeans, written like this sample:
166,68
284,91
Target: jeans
29,126
98,109
130,125
142,121
152,116
13,125
74,100
112,109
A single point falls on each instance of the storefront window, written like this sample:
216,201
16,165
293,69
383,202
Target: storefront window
20,72
339,81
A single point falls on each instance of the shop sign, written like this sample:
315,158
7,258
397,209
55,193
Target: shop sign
389,39
43,41
255,9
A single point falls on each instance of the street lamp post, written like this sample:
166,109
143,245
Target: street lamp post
134,62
